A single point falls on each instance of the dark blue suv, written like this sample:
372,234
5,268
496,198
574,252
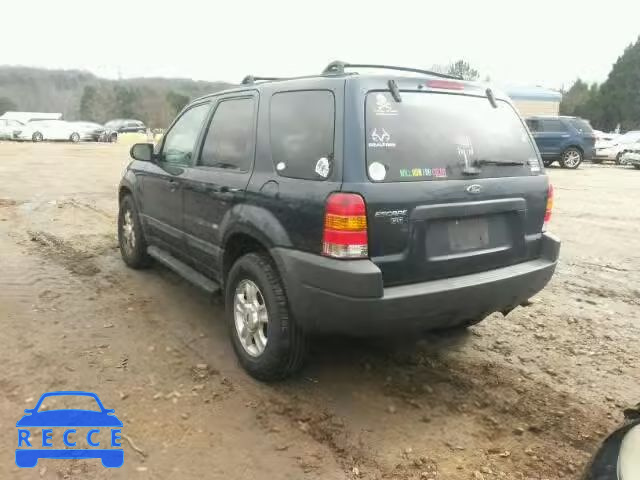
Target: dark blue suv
569,140
344,202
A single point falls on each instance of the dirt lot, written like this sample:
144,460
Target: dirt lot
526,396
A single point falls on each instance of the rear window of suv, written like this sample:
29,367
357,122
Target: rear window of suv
438,136
581,125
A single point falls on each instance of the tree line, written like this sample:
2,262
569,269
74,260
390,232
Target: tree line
83,96
615,102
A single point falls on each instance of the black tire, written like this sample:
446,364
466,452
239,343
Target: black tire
135,256
546,162
113,138
285,348
636,166
618,159
37,137
75,137
571,158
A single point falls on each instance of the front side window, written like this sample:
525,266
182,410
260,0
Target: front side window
302,132
180,141
230,139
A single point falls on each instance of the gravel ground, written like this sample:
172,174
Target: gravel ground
527,396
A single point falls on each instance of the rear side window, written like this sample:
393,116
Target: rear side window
230,139
438,136
553,125
302,133
581,125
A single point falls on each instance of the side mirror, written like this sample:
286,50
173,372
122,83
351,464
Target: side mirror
142,152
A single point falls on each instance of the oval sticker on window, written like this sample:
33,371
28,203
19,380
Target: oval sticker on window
377,171
323,167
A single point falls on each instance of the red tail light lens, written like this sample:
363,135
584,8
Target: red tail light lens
345,227
547,213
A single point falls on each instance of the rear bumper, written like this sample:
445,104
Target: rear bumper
334,296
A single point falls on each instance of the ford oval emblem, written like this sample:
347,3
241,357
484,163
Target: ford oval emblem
475,188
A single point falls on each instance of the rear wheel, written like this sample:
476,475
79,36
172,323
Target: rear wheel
37,137
268,342
75,138
571,158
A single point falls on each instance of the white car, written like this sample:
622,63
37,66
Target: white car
39,130
7,127
631,155
612,150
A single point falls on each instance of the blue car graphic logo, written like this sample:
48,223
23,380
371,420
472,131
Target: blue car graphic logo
30,448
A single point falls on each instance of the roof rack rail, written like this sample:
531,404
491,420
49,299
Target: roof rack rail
251,79
338,67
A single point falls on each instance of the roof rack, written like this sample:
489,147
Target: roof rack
251,79
338,67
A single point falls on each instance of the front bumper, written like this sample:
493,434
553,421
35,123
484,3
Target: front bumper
334,296
605,154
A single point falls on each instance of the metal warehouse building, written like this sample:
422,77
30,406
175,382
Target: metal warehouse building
535,100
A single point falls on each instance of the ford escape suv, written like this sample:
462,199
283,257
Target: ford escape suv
343,203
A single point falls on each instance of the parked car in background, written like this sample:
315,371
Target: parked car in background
89,131
40,130
568,140
7,127
631,155
126,126
612,150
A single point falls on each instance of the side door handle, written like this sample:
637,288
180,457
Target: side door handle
173,185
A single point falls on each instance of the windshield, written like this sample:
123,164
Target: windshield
435,136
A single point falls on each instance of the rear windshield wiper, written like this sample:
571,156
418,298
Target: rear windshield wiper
473,169
496,162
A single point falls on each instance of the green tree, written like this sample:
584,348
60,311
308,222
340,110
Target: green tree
463,70
7,105
125,99
176,101
619,96
89,107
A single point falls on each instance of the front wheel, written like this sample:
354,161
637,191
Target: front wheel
619,159
37,137
571,158
75,138
133,246
268,342
113,138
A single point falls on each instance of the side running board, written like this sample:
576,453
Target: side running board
184,270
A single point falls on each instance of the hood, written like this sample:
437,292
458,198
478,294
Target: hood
69,418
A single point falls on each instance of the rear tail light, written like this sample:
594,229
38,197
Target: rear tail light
547,213
345,227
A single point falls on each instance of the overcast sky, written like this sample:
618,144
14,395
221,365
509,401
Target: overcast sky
539,42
